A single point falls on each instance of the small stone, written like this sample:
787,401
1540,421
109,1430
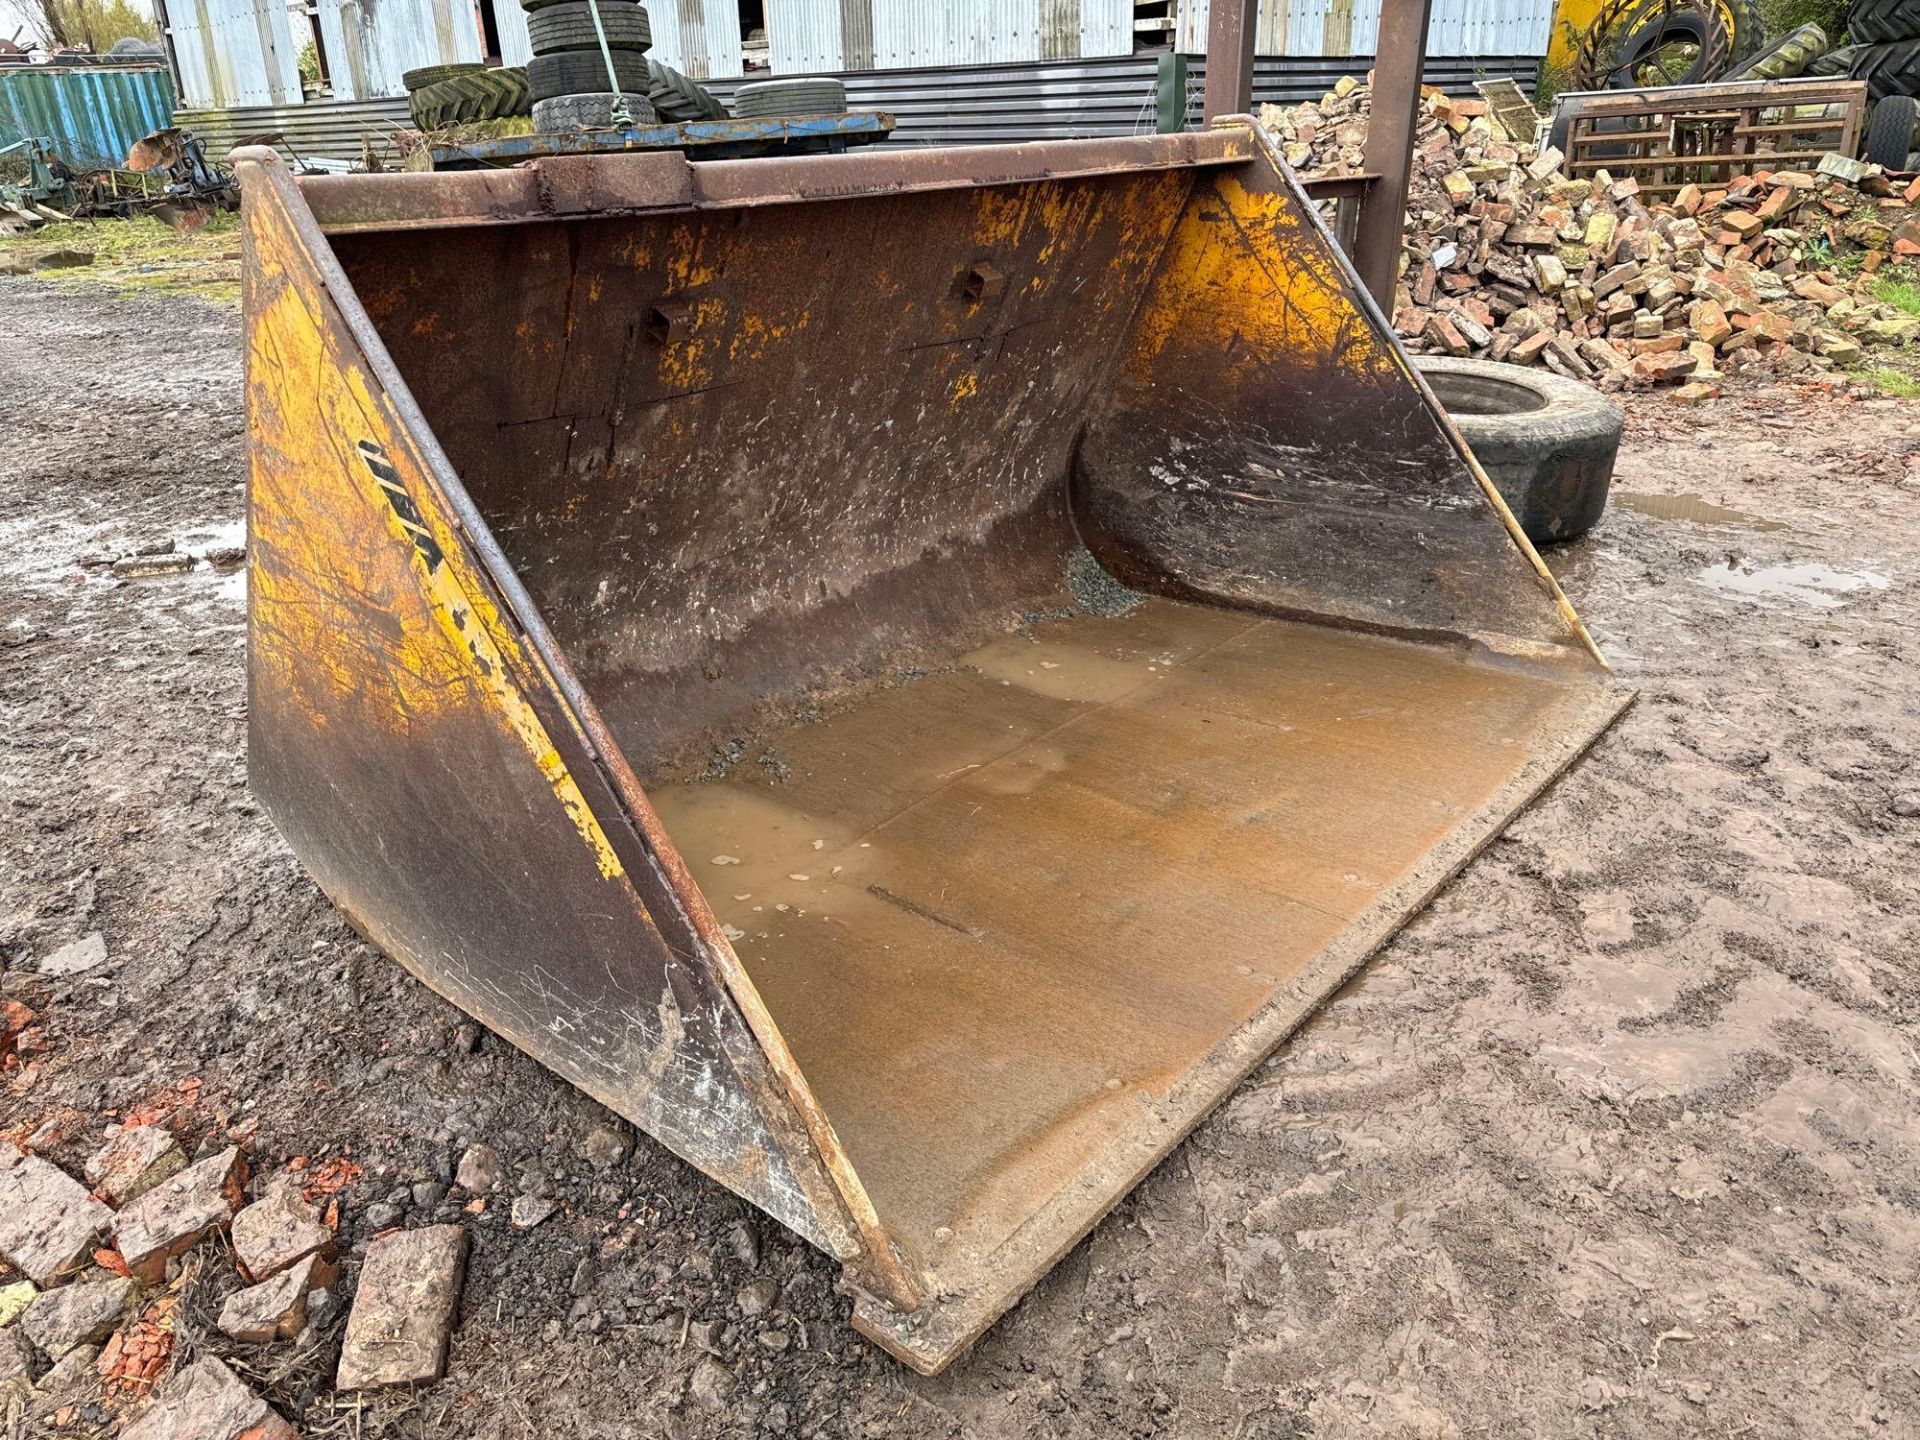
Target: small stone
481,1170
744,1241
14,1299
133,1162
170,1218
529,1210
207,1401
1837,348
1666,366
278,1231
1710,322
83,1313
75,959
776,1340
759,1297
227,557
712,1384
146,567
382,1215
605,1146
324,1307
16,1362
49,1224
403,1309
582,1282
74,1371
276,1309
427,1194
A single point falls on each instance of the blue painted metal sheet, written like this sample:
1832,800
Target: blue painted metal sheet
91,115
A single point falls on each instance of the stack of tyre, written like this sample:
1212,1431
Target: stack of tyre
441,97
1883,48
569,73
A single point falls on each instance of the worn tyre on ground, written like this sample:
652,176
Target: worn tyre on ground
468,98
569,26
427,75
677,98
1890,131
579,72
587,112
773,99
1547,443
1875,22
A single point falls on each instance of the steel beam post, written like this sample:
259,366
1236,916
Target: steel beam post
1230,31
1397,65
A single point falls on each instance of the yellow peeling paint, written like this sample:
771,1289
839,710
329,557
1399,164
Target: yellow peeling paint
1242,270
347,615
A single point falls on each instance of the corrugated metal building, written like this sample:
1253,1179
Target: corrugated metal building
92,115
953,70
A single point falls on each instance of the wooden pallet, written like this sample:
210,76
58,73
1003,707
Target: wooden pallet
1673,136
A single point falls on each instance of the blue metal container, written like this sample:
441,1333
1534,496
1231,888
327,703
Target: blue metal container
92,115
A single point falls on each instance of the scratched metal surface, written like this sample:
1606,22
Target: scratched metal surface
835,458
799,467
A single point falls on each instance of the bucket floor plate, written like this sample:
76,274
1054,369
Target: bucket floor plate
1025,919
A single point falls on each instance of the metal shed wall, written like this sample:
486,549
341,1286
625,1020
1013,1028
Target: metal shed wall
700,38
235,52
92,116
370,44
1063,100
816,36
1352,27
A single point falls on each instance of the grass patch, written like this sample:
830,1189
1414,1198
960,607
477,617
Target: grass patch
1896,383
140,253
1901,294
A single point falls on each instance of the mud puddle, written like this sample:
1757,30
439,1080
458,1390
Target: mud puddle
1693,509
1805,584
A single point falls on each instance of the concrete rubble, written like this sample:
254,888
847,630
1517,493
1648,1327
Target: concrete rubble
276,1309
1509,259
49,1224
207,1401
404,1308
278,1231
82,1313
170,1218
133,1161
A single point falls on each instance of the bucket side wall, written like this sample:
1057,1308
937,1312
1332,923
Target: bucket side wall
407,742
1268,446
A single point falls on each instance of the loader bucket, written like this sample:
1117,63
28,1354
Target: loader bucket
904,674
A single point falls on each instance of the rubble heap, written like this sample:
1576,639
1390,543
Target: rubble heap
1509,259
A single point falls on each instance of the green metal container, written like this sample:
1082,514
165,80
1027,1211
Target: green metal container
91,115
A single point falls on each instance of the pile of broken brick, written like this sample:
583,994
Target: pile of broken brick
1509,259
88,1318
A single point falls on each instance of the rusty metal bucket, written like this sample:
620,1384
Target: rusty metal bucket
904,674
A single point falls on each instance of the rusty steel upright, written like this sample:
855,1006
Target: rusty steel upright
909,730
1399,60
1231,29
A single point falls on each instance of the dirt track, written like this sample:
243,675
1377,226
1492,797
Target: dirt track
1618,1138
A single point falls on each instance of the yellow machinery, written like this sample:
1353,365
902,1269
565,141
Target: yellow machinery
905,674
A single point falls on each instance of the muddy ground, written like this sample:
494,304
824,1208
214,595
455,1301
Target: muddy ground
1622,1137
